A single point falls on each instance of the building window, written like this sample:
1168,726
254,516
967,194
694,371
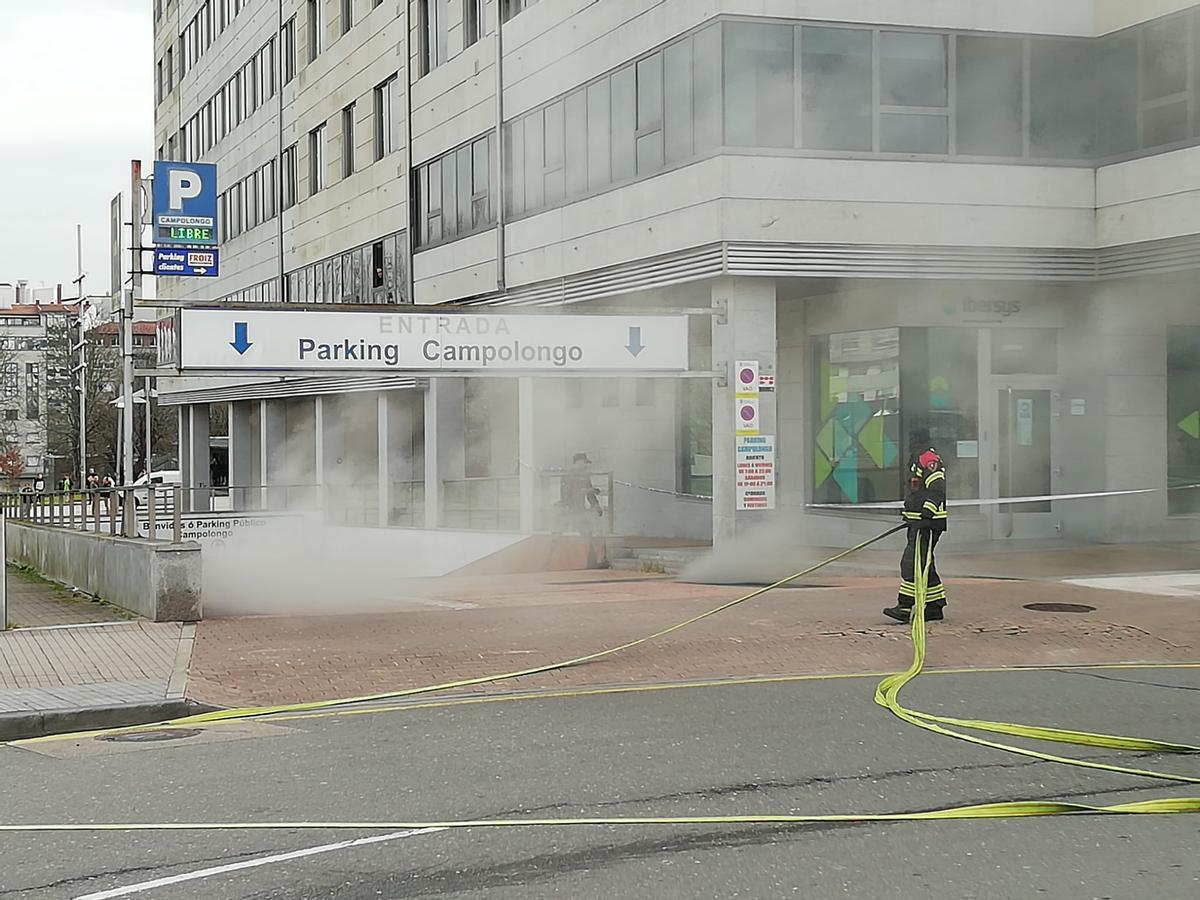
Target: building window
316,25
377,267
760,85
836,77
1061,121
383,118
472,21
990,89
8,380
453,193
348,141
1164,81
434,34
316,160
287,44
347,15
288,187
169,66
33,405
159,84
610,393
510,8
913,93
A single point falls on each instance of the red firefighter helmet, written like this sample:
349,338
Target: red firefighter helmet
929,461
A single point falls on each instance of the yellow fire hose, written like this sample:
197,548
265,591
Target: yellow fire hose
887,695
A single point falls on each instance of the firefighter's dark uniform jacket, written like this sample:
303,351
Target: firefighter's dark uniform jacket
926,517
926,506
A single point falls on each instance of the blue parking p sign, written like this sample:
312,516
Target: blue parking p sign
185,203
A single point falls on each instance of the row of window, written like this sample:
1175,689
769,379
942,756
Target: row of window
15,343
861,90
20,321
210,20
273,187
9,387
251,202
370,273
234,102
383,141
453,193
317,23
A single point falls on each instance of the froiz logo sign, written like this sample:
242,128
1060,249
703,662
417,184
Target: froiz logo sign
969,306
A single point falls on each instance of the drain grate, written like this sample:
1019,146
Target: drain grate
1060,607
150,737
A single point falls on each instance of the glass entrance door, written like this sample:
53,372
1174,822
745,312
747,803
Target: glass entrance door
1024,460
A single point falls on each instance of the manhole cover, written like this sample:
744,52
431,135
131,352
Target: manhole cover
1060,607
149,737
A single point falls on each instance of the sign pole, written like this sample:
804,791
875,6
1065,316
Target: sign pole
135,218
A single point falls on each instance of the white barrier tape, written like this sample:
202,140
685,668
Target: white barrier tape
653,490
1003,501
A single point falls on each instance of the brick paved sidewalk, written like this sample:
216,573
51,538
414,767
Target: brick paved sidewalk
462,628
35,602
98,665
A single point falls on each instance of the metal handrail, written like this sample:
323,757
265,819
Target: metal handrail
80,510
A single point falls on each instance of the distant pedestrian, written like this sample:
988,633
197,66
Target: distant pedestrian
579,501
66,484
39,485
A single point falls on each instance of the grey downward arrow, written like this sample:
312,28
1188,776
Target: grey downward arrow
635,345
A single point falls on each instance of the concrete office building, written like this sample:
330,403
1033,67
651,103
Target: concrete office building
979,219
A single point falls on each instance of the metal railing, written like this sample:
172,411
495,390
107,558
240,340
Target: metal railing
116,510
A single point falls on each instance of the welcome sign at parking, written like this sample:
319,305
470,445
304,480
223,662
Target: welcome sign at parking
213,339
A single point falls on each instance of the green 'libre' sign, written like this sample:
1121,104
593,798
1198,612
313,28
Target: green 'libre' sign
187,235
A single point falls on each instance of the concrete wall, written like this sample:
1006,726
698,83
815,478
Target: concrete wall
158,581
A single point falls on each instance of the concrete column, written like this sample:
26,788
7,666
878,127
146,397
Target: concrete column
445,441
385,478
745,331
526,455
199,457
319,436
243,447
184,414
275,453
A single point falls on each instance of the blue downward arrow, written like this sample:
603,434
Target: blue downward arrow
635,345
241,342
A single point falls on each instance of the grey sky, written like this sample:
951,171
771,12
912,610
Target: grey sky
76,104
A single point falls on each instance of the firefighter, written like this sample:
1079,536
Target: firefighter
925,515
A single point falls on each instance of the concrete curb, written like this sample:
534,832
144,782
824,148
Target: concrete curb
16,726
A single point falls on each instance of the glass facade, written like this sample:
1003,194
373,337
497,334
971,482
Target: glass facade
856,440
885,394
1183,420
791,87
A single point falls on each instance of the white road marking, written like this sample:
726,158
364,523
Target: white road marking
1175,584
250,864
